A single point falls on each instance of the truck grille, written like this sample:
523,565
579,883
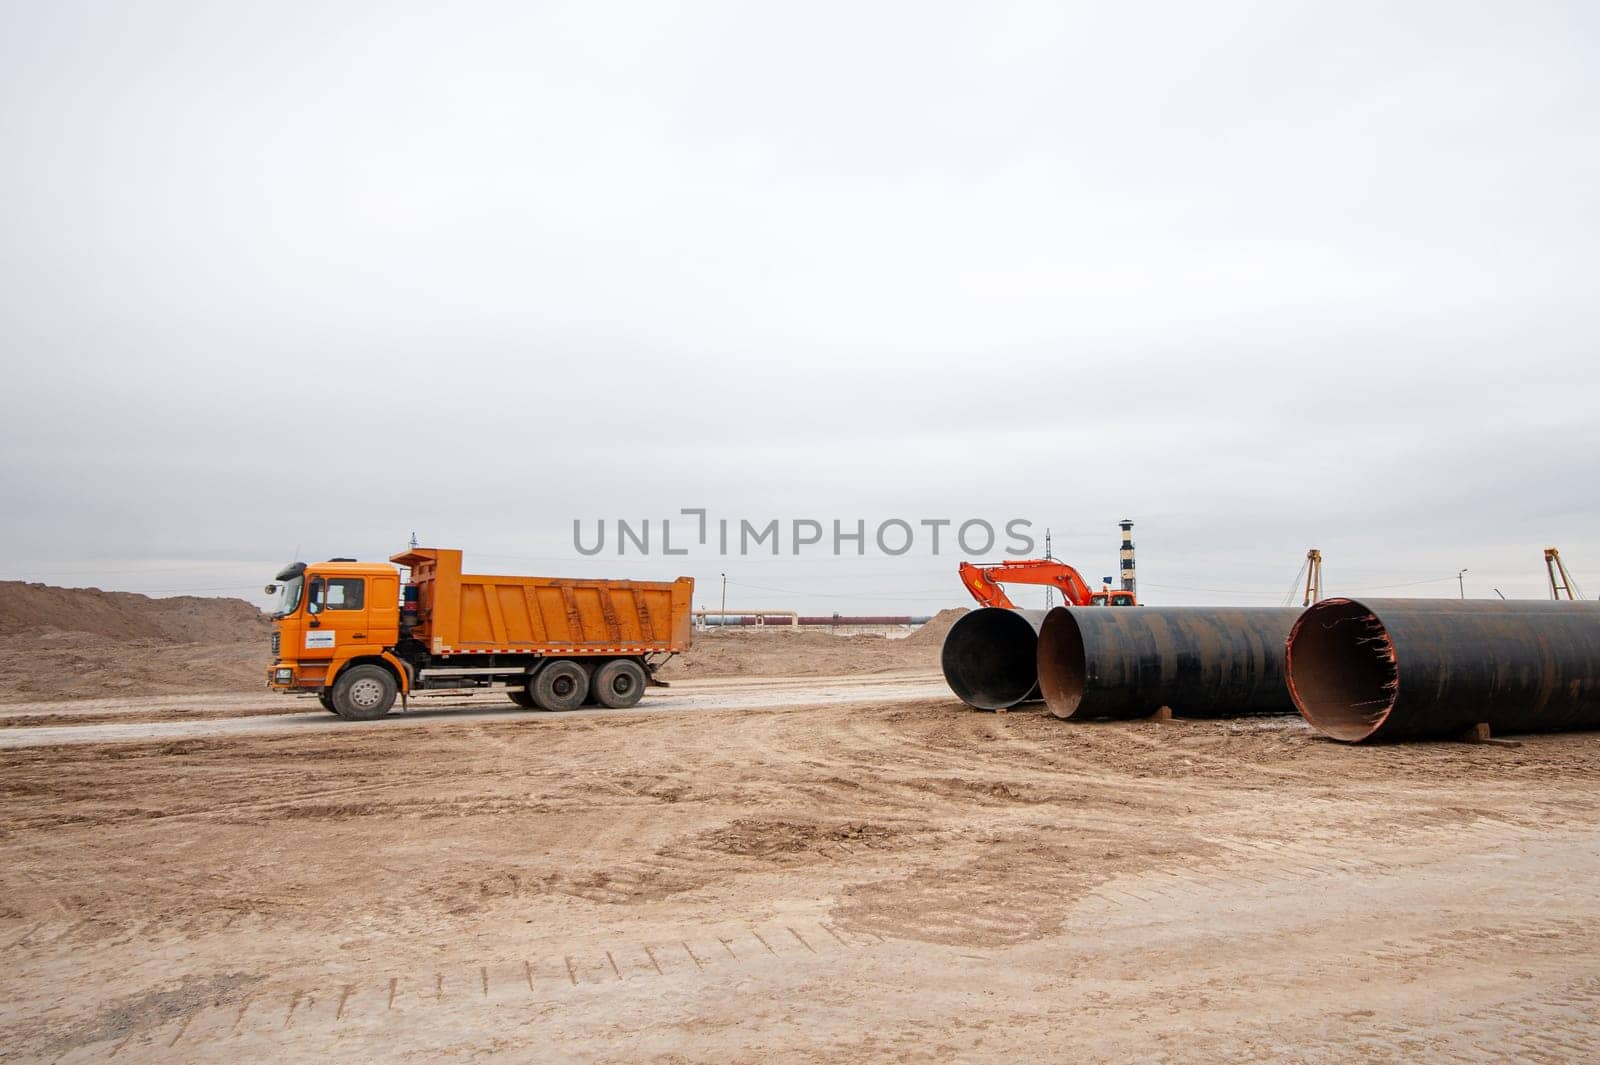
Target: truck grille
275,641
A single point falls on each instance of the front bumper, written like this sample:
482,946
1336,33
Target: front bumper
296,676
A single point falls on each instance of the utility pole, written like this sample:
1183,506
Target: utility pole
1049,589
1462,582
724,600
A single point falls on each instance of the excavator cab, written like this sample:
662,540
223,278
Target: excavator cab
1112,599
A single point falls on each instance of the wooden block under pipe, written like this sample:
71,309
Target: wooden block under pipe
1479,733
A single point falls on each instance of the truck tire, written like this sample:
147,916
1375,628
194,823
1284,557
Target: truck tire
364,693
561,685
619,683
523,699
326,699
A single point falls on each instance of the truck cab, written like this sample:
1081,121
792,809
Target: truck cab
330,616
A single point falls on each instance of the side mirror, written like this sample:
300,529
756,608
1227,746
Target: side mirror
271,589
313,607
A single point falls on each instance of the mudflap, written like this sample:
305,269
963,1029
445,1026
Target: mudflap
651,680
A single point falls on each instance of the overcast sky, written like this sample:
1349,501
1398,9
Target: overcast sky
1260,276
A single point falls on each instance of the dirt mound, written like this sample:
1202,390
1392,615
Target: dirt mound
759,837
34,608
73,643
932,632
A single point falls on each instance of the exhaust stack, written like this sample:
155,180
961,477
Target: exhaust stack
1128,578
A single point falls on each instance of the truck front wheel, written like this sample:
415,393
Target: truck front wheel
363,693
619,683
561,685
326,699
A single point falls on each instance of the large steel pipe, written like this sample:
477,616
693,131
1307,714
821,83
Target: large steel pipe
990,658
1124,662
1396,668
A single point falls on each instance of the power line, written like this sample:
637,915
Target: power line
920,594
1214,591
1294,585
1407,584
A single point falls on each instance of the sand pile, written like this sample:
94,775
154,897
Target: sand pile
32,608
70,643
932,632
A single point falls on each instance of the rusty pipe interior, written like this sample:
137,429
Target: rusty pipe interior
1345,677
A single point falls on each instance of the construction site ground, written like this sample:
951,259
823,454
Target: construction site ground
842,869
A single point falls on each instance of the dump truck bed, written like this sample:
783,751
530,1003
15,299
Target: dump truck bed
465,613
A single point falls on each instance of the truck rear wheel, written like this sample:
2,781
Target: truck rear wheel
561,685
523,699
619,683
364,693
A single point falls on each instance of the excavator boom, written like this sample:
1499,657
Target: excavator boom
984,582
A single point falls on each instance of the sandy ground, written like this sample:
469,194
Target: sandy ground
129,646
851,882
157,718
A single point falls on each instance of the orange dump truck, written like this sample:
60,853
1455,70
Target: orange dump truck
359,638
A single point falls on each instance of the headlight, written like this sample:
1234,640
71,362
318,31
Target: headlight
283,676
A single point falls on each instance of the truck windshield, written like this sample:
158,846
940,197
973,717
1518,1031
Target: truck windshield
289,597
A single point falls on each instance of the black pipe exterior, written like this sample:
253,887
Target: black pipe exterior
1127,662
1379,669
990,657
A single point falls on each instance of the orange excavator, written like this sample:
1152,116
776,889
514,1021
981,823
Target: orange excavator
984,582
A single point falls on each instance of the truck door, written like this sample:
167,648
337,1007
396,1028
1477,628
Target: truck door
337,609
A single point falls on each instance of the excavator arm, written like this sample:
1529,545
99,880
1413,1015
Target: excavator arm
984,582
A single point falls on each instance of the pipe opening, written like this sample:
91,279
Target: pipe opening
1343,675
1063,669
989,658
